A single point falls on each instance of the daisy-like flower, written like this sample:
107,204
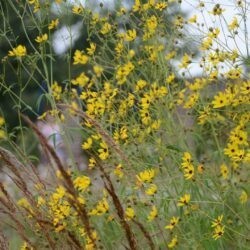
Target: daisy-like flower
184,200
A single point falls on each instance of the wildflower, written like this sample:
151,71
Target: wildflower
118,171
184,200
98,70
234,24
42,38
173,242
101,208
77,9
153,213
103,151
92,163
80,58
217,222
185,61
193,19
129,213
224,171
217,10
151,190
53,24
81,183
130,35
106,28
2,121
19,51
91,49
243,197
161,6
81,80
220,100
146,175
87,144
218,232
56,90
173,222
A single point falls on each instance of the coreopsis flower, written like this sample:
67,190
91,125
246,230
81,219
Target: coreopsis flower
91,49
217,10
151,190
81,80
243,197
81,183
80,57
173,242
153,213
118,171
106,28
146,175
56,90
53,24
161,6
234,24
130,35
224,171
173,222
129,213
19,51
184,200
92,163
42,38
218,221
77,9
185,61
218,232
103,151
87,144
101,208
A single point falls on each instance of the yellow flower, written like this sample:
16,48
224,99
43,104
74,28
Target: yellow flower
98,70
218,231
224,171
87,144
184,200
243,197
130,35
106,28
118,171
161,6
81,80
218,221
81,182
151,190
217,10
103,151
77,9
91,49
42,38
80,58
173,222
2,121
129,213
56,90
185,61
102,207
234,24
19,51
153,213
146,175
173,242
53,24
193,19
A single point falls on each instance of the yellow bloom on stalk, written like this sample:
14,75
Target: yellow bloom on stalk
185,61
218,232
130,35
129,213
151,23
91,49
146,175
151,190
173,222
173,242
221,100
2,121
81,80
42,38
243,197
81,182
92,163
98,69
234,24
106,28
19,51
217,10
118,171
161,6
77,9
56,90
103,151
224,171
53,24
87,144
184,200
101,208
80,57
218,221
153,213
